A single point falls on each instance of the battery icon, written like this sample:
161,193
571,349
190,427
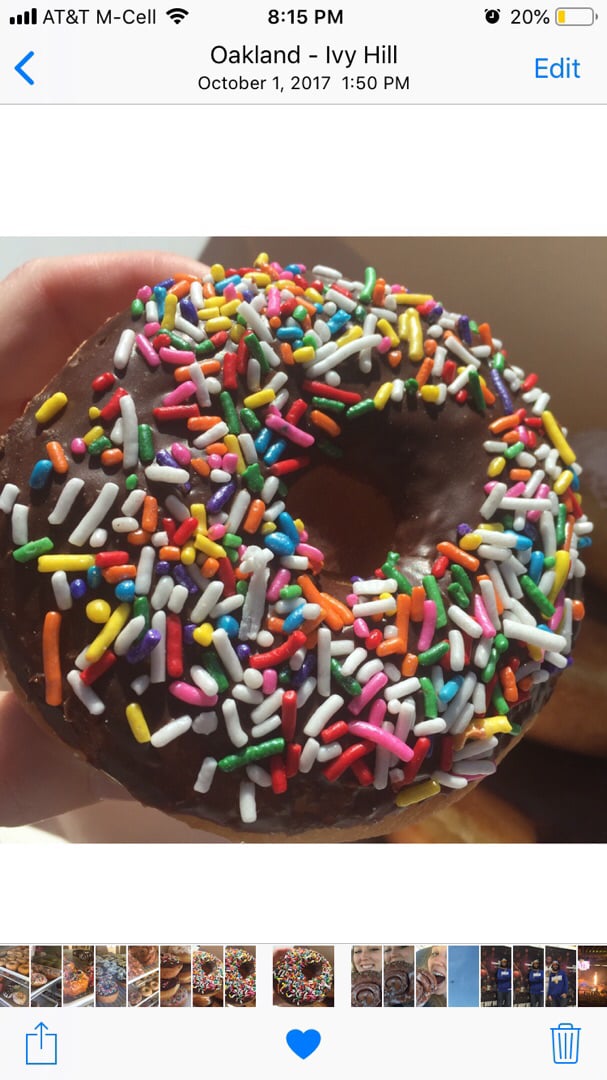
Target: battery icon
575,16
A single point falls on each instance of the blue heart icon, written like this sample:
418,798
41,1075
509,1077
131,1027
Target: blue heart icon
303,1043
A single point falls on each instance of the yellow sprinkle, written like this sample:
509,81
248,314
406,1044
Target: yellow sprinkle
214,325
386,328
430,393
557,438
199,511
314,296
562,562
209,547
496,466
351,335
47,564
203,634
413,299
469,542
256,400
382,396
188,554
233,446
402,325
304,355
283,284
299,525
260,279
268,527
415,335
94,412
493,725
137,722
49,408
217,272
417,793
207,313
535,652
563,481
229,309
262,259
93,433
170,310
237,332
490,526
98,611
112,628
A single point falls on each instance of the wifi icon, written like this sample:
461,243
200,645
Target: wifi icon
177,15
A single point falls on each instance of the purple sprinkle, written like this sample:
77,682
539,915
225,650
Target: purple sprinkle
143,648
220,498
462,529
188,311
354,579
164,457
247,295
78,588
298,678
167,284
188,633
501,391
463,329
163,567
243,652
435,313
181,575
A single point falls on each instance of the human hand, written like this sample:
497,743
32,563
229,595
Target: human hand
47,308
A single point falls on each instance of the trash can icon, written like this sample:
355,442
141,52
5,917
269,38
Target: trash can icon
565,1044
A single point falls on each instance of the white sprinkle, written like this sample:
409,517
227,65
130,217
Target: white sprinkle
243,693
124,348
247,446
265,639
368,670
488,596
207,601
231,603
85,693
509,503
259,731
238,509
61,590
320,367
341,647
151,311
205,723
430,727
130,438
203,680
328,752
9,497
205,776
296,661
402,689
323,650
511,580
478,767
116,432
305,691
294,562
227,655
214,434
464,622
493,500
454,709
354,660
124,524
166,474
346,303
375,607
202,391
476,748
160,539
133,502
525,460
463,720
140,684
171,731
482,652
479,699
145,566
269,705
255,600
456,650
374,586
164,588
327,272
519,611
541,404
253,678
236,735
448,780
158,655
220,476
177,508
493,551
128,635
455,346
103,503
532,635
253,374
246,800
308,755
321,716
19,528
259,776
382,760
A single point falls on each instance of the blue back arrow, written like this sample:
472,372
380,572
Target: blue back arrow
19,68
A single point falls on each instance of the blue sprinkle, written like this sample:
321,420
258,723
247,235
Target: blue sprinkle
575,483
289,333
229,624
449,690
160,296
125,590
294,619
275,452
435,313
220,286
140,649
463,529
188,311
339,319
164,457
536,566
78,587
93,577
40,474
221,497
294,268
584,541
289,527
523,543
279,543
263,441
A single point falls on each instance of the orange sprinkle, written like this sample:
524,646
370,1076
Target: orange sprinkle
200,466
526,684
488,394
511,437
503,423
456,555
56,454
114,574
520,474
390,646
311,625
508,681
424,371
286,354
417,603
308,305
209,567
216,448
180,289
378,292
170,552
202,423
51,658
208,289
395,357
139,537
254,516
409,665
326,423
149,517
210,367
403,612
274,625
181,374
577,610
484,332
429,347
569,533
340,609
275,322
111,457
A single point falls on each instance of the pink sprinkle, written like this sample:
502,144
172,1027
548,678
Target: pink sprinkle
488,488
273,303
523,434
230,293
351,599
177,356
216,532
361,629
214,460
481,616
516,490
280,580
151,328
179,394
428,626
149,354
144,293
191,694
555,621
181,453
78,446
377,712
313,553
385,345
229,462
382,738
398,288
270,681
276,422
370,690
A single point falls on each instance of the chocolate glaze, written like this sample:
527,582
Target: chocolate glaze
408,476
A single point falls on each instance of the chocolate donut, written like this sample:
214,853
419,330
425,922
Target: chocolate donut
288,555
240,977
366,990
207,978
302,976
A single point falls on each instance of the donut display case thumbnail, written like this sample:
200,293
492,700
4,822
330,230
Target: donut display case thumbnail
47,977
431,967
366,976
175,976
143,976
399,976
240,976
110,976
303,975
14,975
207,976
79,975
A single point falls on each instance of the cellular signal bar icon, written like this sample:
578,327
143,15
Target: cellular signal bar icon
28,18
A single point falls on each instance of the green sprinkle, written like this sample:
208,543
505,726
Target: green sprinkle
539,598
348,682
516,728
560,525
359,314
498,699
499,362
146,443
230,414
253,344
284,677
512,451
329,448
232,555
290,592
253,478
177,342
360,409
501,643
433,655
283,489
411,386
458,595
141,607
488,673
250,421
476,390
251,754
137,308
389,569
29,551
204,349
473,326
549,562
328,405
99,445
300,313
231,540
366,295
459,574
242,588
131,482
309,339
430,704
214,668
433,593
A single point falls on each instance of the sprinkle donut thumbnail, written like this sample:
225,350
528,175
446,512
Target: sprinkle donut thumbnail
290,556
302,976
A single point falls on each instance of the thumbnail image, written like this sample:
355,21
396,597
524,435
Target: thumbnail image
528,976
366,976
303,975
463,976
144,976
175,976
592,975
561,974
79,975
399,981
496,976
46,977
207,976
240,980
110,976
431,976
14,975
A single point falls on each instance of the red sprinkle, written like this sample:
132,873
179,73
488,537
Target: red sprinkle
334,731
176,412
295,641
289,714
446,753
530,382
335,769
439,566
290,465
111,558
185,531
279,775
449,369
292,756
103,382
174,646
324,390
296,411
412,767
226,574
112,410
374,639
95,671
362,773
230,378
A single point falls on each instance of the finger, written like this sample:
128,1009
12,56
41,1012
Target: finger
40,777
48,307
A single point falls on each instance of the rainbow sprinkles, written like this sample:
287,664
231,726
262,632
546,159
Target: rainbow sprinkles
200,588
